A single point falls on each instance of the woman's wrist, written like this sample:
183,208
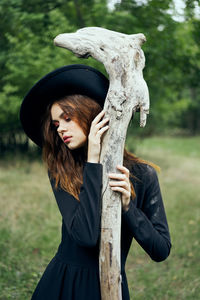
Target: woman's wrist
93,159
93,154
125,207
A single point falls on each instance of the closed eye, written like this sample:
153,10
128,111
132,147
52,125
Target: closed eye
66,118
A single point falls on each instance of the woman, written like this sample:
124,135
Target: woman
63,114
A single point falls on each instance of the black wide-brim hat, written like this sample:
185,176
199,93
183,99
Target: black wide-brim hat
67,80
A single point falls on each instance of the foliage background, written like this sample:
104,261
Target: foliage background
172,56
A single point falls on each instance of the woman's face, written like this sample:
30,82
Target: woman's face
68,130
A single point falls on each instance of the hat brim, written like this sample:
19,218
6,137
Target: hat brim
67,80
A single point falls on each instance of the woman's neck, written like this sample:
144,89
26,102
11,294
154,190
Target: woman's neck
80,155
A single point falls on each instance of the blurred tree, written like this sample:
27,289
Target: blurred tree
189,41
153,19
172,61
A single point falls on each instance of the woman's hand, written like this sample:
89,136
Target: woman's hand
97,129
121,184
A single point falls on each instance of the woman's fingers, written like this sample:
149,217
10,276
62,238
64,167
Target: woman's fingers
123,169
102,130
118,183
121,183
97,127
98,117
117,176
125,173
98,124
120,180
102,123
121,190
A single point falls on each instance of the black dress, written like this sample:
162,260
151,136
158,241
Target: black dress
73,273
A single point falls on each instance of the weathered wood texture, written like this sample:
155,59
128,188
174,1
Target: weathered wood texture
124,61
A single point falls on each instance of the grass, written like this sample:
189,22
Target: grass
30,224
179,276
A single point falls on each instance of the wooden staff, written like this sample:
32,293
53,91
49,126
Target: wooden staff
124,61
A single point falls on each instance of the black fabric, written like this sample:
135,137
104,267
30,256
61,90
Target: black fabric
73,273
67,80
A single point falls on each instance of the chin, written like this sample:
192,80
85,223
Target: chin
73,147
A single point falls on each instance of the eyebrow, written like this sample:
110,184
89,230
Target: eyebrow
60,116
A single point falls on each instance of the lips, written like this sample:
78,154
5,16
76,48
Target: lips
67,139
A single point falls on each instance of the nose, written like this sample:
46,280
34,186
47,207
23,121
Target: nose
62,127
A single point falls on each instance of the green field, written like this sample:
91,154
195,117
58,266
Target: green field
30,224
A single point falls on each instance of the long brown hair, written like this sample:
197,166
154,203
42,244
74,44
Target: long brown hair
65,165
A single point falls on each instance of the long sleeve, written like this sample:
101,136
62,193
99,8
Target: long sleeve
148,223
82,218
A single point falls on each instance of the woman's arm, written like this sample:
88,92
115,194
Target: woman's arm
82,218
149,224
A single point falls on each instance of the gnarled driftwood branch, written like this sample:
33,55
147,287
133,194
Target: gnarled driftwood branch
124,61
